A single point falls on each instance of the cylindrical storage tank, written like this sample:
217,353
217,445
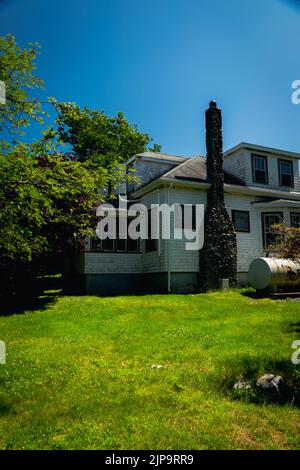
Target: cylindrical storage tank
274,273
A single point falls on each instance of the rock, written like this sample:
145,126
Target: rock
242,384
269,382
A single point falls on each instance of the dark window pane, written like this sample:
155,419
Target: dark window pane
151,244
286,180
241,221
260,177
285,173
295,220
260,169
260,164
120,245
108,245
132,245
268,221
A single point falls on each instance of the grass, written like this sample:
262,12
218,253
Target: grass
79,373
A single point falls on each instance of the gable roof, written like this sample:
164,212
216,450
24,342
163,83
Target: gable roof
262,149
158,156
194,169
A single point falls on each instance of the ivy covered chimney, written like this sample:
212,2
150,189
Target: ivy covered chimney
219,254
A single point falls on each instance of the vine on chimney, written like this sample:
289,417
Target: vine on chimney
219,254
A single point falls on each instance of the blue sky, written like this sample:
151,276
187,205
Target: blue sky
162,61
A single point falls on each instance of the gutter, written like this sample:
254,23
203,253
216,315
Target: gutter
228,188
169,244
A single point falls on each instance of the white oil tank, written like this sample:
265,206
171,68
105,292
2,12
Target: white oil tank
274,273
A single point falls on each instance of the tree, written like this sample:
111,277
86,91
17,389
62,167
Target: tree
219,255
48,198
286,242
17,67
106,141
47,202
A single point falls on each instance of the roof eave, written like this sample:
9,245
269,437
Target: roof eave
228,188
261,148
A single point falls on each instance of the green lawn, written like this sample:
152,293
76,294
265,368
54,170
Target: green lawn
79,375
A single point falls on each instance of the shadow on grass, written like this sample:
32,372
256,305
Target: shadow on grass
4,409
255,294
250,370
37,294
12,305
293,328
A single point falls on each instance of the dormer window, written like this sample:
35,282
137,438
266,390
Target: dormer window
285,170
260,169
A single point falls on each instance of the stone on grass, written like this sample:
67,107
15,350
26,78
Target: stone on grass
269,382
242,384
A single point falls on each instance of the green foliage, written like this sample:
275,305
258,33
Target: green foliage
47,198
17,67
79,373
46,201
105,140
286,243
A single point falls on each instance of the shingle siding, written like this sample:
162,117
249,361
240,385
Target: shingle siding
96,263
249,245
147,171
183,260
240,164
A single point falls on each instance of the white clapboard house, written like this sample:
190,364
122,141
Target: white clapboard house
261,187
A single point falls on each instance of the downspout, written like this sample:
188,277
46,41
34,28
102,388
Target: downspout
169,244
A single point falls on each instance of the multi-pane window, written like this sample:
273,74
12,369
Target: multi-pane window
268,220
295,219
121,243
285,170
241,221
260,169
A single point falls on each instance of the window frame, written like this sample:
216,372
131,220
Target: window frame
281,160
291,217
114,242
233,218
263,214
265,158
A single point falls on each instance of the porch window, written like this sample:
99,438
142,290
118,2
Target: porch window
260,169
268,220
295,219
120,244
285,170
241,221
